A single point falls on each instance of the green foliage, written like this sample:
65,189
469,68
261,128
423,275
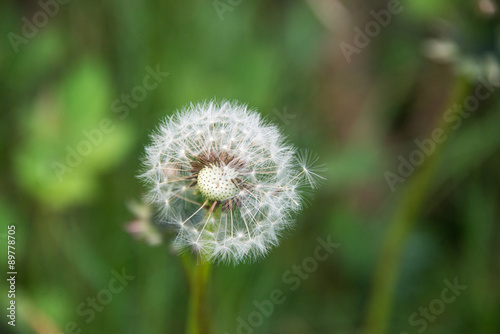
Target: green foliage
397,247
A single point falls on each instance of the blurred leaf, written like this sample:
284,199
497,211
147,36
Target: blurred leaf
70,138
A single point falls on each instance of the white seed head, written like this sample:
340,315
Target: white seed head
226,179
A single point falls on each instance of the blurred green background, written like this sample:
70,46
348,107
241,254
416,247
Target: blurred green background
67,68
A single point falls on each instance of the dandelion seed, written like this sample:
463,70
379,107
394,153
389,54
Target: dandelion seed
227,179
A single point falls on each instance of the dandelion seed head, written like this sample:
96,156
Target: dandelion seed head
227,179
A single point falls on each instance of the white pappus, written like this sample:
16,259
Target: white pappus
227,179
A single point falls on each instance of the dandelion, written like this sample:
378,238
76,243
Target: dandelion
227,179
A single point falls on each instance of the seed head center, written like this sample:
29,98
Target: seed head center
215,183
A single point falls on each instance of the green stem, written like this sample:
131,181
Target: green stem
386,272
197,322
198,273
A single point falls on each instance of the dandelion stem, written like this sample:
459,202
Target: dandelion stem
197,316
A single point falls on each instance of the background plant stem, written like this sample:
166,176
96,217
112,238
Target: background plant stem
414,194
